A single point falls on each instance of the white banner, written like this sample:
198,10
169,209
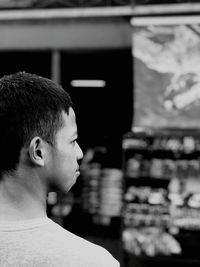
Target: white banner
166,60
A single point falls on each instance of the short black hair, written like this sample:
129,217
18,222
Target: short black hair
30,105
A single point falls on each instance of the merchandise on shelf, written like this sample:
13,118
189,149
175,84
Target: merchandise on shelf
161,207
102,191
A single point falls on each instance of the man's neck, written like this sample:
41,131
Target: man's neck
20,199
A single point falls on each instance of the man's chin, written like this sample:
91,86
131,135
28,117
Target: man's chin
69,188
59,188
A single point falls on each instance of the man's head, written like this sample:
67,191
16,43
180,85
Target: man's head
31,107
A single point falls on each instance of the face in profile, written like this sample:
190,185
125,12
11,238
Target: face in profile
63,166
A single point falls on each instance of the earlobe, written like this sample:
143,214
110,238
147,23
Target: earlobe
36,151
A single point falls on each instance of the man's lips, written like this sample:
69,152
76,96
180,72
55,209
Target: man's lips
78,172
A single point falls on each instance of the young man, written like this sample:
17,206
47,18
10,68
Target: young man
39,154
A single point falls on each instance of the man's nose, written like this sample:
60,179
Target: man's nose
80,152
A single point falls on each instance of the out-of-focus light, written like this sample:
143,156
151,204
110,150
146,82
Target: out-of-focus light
88,83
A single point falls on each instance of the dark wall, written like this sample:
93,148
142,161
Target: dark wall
38,62
103,114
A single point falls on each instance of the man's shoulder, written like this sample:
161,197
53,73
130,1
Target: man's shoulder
94,255
45,243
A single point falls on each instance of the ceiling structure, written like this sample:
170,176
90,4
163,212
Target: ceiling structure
6,4
26,4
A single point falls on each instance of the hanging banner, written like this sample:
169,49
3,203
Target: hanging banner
166,66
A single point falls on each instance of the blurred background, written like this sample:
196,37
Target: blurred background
132,70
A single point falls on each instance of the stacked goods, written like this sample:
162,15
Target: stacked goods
111,192
90,191
150,241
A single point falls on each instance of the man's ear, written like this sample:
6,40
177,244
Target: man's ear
37,151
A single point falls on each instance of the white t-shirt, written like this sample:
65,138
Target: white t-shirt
44,243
